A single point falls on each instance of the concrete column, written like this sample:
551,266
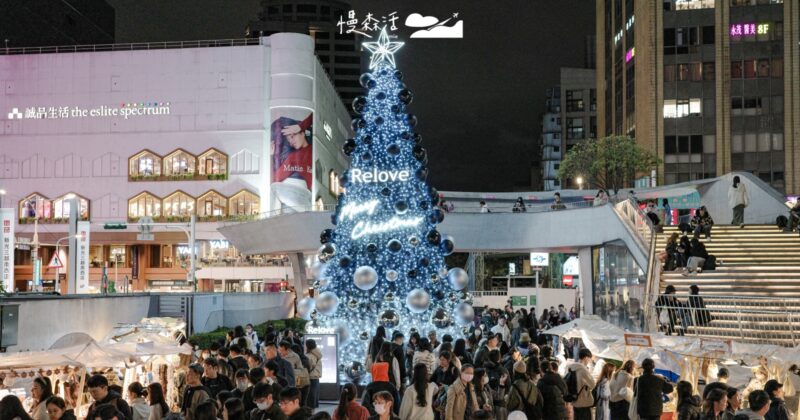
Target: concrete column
586,275
299,280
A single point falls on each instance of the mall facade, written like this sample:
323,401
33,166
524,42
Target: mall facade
217,130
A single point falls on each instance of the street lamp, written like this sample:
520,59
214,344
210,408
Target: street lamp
579,180
58,269
2,193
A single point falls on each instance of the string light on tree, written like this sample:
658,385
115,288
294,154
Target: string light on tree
383,261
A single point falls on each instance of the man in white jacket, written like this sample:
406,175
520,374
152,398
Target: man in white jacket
502,329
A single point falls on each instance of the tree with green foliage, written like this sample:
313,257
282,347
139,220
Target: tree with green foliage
609,163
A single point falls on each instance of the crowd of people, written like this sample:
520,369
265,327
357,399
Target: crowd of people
506,364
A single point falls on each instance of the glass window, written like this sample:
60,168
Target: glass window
749,69
763,68
708,34
683,72
213,162
118,255
695,107
211,204
575,128
35,206
670,110
737,143
179,162
709,71
776,69
683,144
670,145
243,203
709,143
61,207
736,69
750,142
696,71
764,140
178,204
777,141
693,4
145,163
144,204
669,73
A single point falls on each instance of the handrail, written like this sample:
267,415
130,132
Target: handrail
233,42
756,319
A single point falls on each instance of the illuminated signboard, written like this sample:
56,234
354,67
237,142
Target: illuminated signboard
629,55
125,110
749,29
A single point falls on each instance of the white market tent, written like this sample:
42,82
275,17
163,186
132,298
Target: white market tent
596,334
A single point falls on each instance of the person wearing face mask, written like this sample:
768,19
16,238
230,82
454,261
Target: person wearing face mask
263,395
241,383
481,383
380,383
461,398
383,402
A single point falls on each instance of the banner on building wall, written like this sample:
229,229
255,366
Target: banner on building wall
7,250
134,262
82,271
291,158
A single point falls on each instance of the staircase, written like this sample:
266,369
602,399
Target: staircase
754,294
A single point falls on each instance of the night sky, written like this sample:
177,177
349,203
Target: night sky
478,99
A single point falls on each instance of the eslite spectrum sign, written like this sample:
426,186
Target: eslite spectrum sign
125,111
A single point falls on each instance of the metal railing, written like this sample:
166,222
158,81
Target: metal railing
761,320
131,46
645,233
476,208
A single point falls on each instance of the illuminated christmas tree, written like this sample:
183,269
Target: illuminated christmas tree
383,263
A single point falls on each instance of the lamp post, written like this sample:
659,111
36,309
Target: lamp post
579,180
58,269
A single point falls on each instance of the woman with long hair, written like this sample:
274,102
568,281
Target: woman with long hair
41,391
621,390
417,401
716,403
738,199
460,352
688,404
158,405
603,410
11,408
424,355
386,355
375,345
481,384
348,408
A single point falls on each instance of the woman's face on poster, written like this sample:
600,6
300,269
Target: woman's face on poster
297,140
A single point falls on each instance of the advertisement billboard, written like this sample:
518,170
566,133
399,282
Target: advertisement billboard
291,157
7,248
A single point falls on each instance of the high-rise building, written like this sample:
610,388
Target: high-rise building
338,52
46,23
710,86
569,118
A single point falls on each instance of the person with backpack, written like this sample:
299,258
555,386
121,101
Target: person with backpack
314,356
580,384
524,395
195,393
648,391
461,398
621,388
98,389
266,409
553,389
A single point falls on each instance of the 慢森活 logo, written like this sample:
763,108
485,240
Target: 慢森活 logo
425,26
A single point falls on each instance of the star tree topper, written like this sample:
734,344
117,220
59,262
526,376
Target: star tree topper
383,50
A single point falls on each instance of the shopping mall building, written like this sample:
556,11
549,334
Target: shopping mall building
219,130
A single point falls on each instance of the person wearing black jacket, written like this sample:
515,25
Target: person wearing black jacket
237,359
669,303
446,373
649,389
698,255
98,389
777,407
257,376
553,388
689,405
213,380
702,316
399,353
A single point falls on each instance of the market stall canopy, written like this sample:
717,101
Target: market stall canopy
595,333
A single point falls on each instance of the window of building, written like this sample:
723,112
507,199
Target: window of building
696,71
118,254
749,67
708,34
709,71
669,73
212,204
776,69
575,128
61,207
243,203
688,4
144,205
145,163
178,204
754,2
179,162
736,70
574,100
35,206
678,108
213,162
307,8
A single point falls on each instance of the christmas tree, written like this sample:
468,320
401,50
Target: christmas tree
384,262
